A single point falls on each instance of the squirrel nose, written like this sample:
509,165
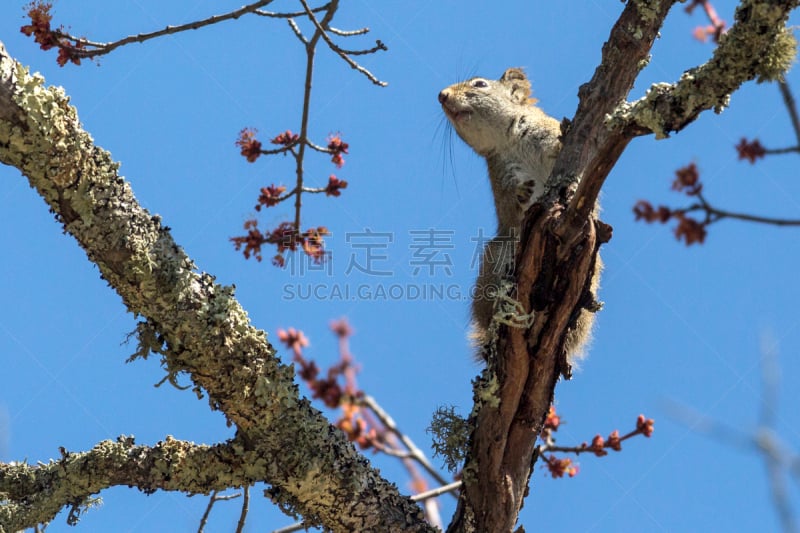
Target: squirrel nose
442,97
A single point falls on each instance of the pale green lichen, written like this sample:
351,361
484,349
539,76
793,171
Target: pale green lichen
450,433
47,110
648,9
489,390
757,46
779,58
469,474
646,114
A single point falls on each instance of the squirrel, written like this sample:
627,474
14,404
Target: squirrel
520,142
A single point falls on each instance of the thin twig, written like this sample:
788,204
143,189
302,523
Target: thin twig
450,487
297,526
770,380
318,148
287,148
791,107
215,497
204,518
379,46
104,48
389,423
780,497
286,196
778,151
577,450
706,425
311,48
347,33
321,25
763,439
392,452
245,509
297,32
714,214
272,14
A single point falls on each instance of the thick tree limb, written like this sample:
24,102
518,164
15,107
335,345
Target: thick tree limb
314,471
561,239
37,493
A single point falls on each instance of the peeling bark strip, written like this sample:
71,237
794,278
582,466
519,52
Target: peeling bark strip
282,440
561,240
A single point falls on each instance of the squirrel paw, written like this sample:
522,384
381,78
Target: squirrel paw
525,192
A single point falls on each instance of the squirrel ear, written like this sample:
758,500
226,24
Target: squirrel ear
519,83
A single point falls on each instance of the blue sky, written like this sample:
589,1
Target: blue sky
681,324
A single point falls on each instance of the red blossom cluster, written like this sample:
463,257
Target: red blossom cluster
270,196
552,421
294,339
751,151
645,426
251,242
314,243
39,13
559,467
337,148
287,138
341,328
47,38
286,238
327,388
251,147
324,388
713,30
336,388
644,210
357,429
335,185
690,230
597,446
687,180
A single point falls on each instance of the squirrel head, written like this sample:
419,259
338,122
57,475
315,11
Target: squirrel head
482,110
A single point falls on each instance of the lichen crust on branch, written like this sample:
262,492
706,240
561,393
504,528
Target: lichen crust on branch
758,46
206,334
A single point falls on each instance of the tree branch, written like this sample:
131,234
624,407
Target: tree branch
714,214
748,51
37,493
206,334
322,26
104,48
215,497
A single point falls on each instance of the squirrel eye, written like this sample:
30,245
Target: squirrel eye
480,83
